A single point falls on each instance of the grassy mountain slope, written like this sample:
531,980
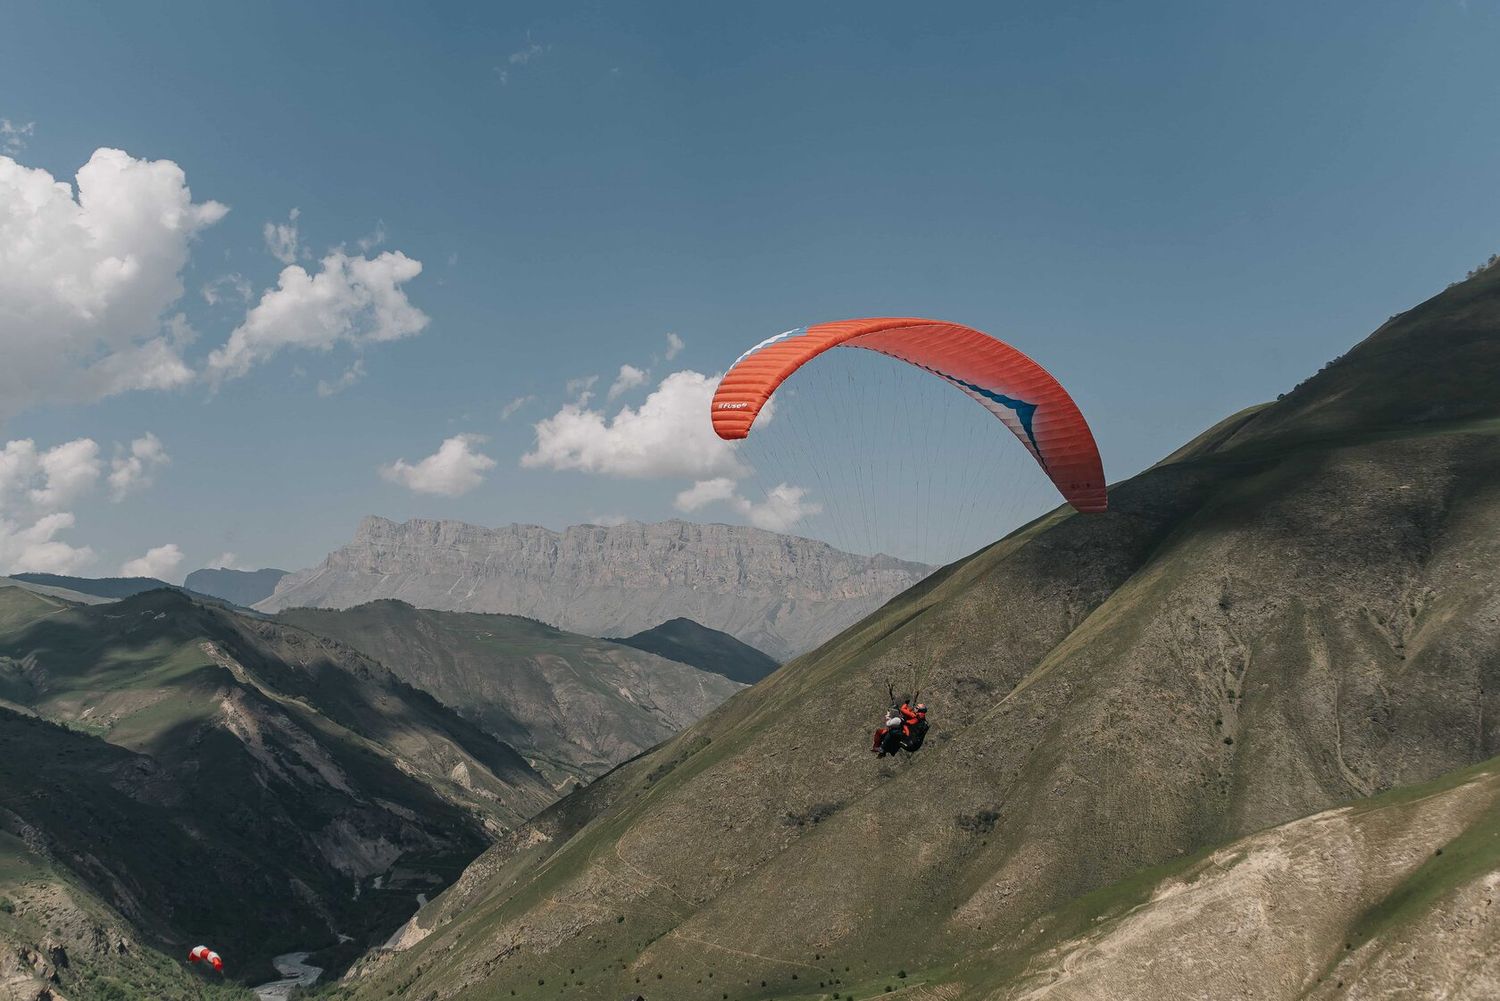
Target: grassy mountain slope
575,705
112,588
708,649
228,779
58,940
1299,609
74,597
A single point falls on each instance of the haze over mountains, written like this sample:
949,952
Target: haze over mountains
780,594
1156,735
241,587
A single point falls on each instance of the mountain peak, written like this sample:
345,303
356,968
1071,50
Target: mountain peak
1432,364
778,593
688,642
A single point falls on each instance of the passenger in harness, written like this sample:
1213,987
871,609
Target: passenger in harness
905,728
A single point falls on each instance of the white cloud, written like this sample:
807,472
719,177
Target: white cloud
159,562
282,239
227,561
670,435
32,548
521,57
352,299
581,389
351,375
706,492
456,468
674,346
34,487
132,469
13,136
784,506
629,378
509,410
608,520
68,472
216,290
375,239
85,279
532,51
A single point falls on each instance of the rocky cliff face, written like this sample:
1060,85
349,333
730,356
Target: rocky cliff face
778,593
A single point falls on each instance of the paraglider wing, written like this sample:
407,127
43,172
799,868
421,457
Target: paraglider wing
1022,394
198,953
216,962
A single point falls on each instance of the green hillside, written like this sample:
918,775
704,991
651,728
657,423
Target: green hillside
576,706
58,940
707,649
1299,610
220,778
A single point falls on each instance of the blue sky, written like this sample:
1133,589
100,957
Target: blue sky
1179,208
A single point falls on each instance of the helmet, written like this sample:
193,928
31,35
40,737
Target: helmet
921,707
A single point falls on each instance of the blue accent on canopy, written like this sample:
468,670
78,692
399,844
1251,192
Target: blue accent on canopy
1023,410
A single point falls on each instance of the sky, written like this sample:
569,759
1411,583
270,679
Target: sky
266,269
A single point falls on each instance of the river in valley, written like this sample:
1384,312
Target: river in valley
295,972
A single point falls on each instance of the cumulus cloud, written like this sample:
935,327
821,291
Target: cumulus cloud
34,487
68,472
581,389
629,378
674,346
132,468
32,548
282,239
85,279
159,562
509,410
784,506
227,561
220,288
353,300
13,136
669,435
454,469
706,492
373,240
351,375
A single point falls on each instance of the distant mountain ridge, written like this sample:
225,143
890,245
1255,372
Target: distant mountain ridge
242,587
113,588
687,642
187,739
781,594
575,705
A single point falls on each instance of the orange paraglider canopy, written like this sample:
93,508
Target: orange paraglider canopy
1022,394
